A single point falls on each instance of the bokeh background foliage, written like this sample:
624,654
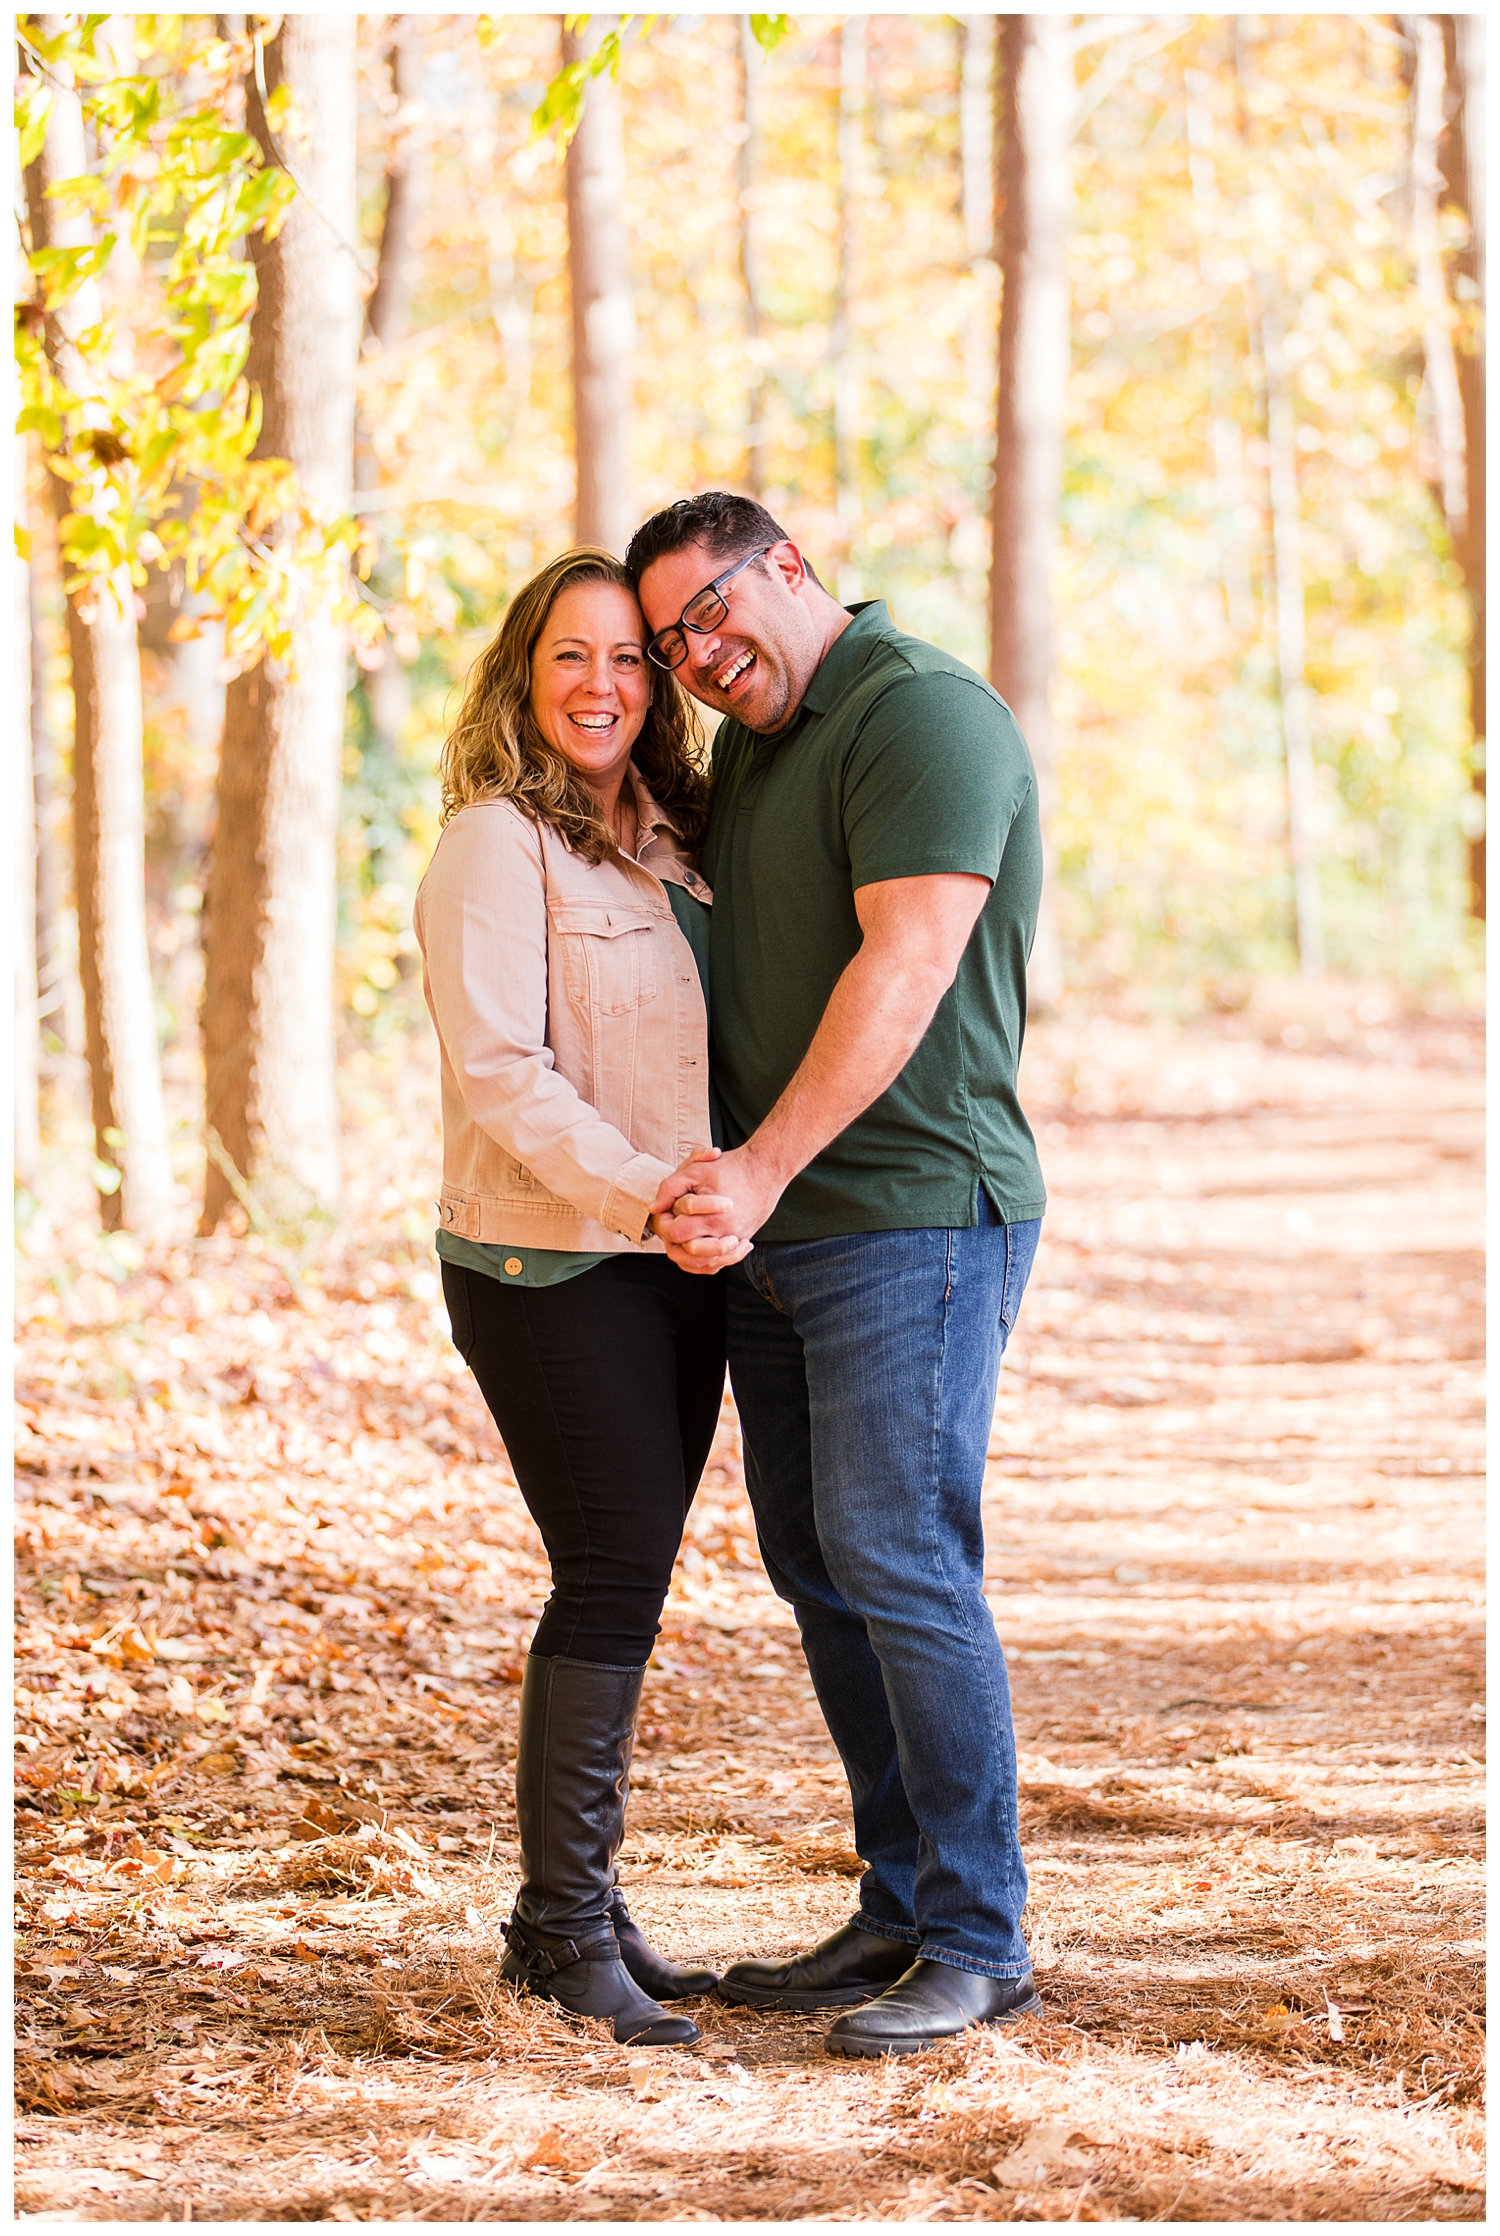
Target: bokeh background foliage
1171,835
1217,165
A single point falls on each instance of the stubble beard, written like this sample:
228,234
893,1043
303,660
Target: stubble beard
778,709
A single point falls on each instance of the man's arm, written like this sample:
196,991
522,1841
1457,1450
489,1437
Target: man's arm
915,932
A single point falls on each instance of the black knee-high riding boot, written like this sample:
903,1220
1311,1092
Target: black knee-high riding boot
572,1769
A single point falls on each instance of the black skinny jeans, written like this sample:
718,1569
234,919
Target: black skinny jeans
605,1390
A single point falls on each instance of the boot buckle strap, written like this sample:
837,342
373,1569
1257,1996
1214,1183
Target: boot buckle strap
537,1959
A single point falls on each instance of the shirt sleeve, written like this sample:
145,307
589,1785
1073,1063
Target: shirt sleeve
933,782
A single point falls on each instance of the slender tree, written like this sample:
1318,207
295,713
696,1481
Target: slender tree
976,202
1291,635
1460,166
1225,443
1268,316
1033,123
54,976
1442,402
408,185
976,133
408,177
268,999
130,1130
24,1068
748,169
603,318
842,343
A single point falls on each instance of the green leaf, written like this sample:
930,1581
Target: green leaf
63,271
33,107
769,31
155,454
560,110
40,419
87,195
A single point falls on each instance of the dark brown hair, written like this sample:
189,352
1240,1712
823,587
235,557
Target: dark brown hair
726,525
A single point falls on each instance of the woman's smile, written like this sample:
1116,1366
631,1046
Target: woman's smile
590,686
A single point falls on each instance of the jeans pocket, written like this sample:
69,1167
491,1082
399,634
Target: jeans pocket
460,1313
1021,1238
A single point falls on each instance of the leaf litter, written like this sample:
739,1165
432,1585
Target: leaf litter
275,1589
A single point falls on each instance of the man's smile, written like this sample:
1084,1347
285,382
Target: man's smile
730,674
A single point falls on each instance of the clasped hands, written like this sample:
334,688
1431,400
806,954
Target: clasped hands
708,1211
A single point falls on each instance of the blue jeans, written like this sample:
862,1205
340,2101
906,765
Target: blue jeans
864,1368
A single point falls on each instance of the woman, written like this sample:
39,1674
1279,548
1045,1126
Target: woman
562,927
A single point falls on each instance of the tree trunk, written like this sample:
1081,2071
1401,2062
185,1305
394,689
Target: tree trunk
1286,568
55,983
1226,448
976,133
1291,630
842,347
268,1018
1034,192
388,315
603,320
130,1128
408,181
1444,411
1460,161
750,273
27,1143
511,290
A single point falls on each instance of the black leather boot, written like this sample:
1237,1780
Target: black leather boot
849,1967
572,1776
587,1978
930,2003
668,1982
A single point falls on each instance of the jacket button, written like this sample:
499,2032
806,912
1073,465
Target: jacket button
514,1265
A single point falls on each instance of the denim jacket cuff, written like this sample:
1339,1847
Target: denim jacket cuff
627,1207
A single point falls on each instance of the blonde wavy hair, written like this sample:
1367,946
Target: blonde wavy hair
495,750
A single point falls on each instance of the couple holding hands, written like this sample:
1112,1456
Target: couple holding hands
729,1071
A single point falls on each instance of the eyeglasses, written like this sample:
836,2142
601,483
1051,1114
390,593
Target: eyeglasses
704,611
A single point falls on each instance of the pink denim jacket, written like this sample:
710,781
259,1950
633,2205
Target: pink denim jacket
572,1026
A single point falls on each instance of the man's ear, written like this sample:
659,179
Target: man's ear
789,563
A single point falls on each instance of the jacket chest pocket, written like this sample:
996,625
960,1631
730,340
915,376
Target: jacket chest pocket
609,956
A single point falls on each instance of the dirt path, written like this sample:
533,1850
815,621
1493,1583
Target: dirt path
277,1588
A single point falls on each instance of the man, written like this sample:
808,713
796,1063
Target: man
875,860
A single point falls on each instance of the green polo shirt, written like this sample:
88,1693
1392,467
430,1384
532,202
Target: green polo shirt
900,762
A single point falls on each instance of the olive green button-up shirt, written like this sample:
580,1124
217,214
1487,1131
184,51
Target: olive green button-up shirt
900,762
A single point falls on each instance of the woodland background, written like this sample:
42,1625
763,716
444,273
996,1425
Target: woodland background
1137,360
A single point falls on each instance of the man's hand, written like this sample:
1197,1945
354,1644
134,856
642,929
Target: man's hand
707,1239
715,1204
915,932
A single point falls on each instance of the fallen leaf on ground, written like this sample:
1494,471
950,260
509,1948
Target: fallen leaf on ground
547,2150
1046,2150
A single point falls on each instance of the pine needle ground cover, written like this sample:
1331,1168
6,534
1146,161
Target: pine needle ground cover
276,1584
